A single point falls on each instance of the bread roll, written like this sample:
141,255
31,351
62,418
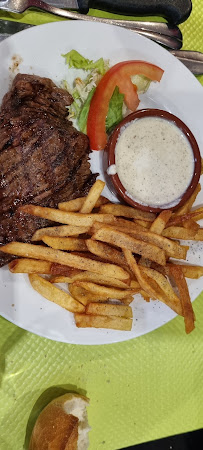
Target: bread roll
62,425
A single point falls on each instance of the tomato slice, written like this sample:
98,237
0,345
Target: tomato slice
119,75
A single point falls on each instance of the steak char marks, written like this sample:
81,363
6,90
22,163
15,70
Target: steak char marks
44,160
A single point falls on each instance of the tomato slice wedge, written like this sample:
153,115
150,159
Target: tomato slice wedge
119,75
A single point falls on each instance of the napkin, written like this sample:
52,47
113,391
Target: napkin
140,390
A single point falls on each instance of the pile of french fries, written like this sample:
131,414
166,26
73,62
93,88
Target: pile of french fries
107,253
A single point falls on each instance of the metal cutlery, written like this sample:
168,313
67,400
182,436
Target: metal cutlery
168,35
191,59
163,39
175,11
8,28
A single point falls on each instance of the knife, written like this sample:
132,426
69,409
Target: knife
191,59
175,11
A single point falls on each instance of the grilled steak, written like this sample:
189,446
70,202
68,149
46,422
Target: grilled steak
44,160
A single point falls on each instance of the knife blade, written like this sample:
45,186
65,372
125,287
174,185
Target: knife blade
175,11
7,28
191,59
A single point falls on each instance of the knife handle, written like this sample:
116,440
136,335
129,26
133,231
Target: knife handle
175,11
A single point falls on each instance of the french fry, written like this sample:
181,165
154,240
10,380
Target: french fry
102,309
25,265
159,268
134,284
52,255
94,278
149,285
92,197
127,211
99,290
190,224
52,293
100,279
59,231
144,262
118,224
72,205
164,285
179,233
130,228
128,300
60,279
183,233
171,248
83,296
110,322
69,218
145,296
188,204
142,223
140,277
67,271
105,251
76,204
122,240
157,227
188,313
95,227
160,222
65,243
128,224
127,230
197,214
193,272
102,251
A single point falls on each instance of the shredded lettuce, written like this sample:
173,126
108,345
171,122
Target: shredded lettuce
83,89
74,59
141,82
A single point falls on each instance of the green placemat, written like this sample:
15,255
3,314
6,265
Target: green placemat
144,389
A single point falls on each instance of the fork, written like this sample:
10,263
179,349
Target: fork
163,33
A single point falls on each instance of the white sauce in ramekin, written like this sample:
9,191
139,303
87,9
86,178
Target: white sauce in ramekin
154,161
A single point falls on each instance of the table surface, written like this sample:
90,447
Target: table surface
141,390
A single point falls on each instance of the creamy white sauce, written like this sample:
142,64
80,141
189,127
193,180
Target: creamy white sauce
154,161
111,170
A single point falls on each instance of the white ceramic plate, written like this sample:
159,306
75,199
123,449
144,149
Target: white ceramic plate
38,50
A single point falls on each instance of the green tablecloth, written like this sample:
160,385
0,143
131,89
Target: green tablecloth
144,389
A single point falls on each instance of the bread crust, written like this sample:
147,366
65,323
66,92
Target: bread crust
54,428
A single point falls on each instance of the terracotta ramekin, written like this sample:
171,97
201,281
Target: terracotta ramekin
114,182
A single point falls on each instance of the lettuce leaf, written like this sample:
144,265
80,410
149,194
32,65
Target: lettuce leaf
114,115
115,112
82,119
75,59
